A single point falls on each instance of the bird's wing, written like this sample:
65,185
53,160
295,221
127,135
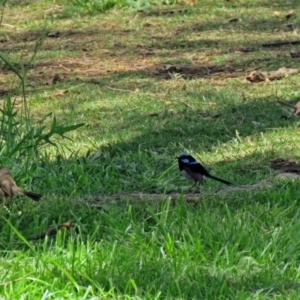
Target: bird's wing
197,176
5,185
4,171
197,168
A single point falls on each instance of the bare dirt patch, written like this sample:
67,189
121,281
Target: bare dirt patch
150,42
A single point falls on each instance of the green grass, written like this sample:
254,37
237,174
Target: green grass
237,249
137,117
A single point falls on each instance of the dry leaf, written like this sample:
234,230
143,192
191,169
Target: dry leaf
276,13
53,34
291,14
60,93
234,20
258,76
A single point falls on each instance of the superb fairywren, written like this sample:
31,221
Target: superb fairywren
194,171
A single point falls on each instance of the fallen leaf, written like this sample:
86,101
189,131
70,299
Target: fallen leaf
258,76
291,14
234,20
53,34
60,93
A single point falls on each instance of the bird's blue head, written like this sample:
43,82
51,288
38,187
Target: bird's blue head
186,158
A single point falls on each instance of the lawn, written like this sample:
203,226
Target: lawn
148,82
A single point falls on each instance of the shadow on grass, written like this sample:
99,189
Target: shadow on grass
183,126
94,53
139,156
204,120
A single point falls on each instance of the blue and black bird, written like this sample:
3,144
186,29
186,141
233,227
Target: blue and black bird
194,171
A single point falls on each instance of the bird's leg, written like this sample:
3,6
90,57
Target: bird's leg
190,190
197,184
4,201
198,187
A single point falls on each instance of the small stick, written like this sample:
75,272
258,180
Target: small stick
63,67
295,107
186,104
51,231
74,86
286,104
278,44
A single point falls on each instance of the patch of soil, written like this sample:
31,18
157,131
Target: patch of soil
285,166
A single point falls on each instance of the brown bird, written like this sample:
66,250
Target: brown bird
8,187
295,107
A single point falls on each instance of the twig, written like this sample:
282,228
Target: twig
176,196
65,91
63,67
75,86
154,114
253,69
51,231
278,44
186,104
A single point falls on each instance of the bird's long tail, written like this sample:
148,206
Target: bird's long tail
219,179
33,196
